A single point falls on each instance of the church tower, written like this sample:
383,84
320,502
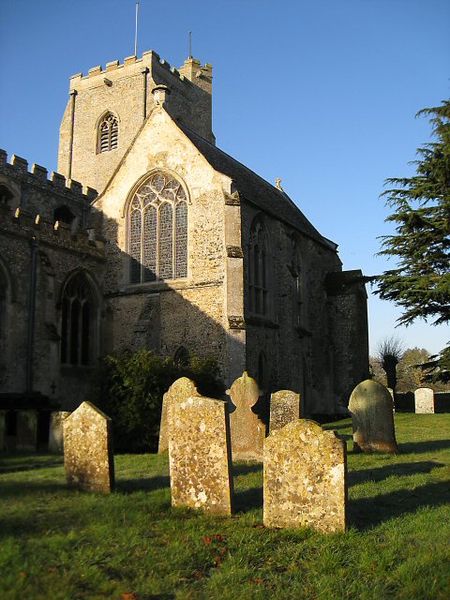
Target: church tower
107,108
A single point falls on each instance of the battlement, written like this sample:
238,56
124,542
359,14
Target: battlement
38,176
133,64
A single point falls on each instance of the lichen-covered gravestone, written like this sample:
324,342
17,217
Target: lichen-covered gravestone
88,452
305,478
200,455
424,401
371,408
284,408
180,389
56,431
247,429
26,436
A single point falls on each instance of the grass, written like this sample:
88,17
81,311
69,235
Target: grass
60,544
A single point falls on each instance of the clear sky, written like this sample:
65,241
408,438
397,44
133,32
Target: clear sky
322,93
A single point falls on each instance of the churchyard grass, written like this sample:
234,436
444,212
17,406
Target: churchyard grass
57,543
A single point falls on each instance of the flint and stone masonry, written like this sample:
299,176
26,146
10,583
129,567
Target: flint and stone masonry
371,407
180,390
284,408
305,478
200,456
424,401
88,450
247,429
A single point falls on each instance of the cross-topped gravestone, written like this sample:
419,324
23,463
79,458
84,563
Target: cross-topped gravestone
284,408
180,389
305,478
247,429
371,407
200,455
88,452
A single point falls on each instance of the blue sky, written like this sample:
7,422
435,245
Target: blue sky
320,93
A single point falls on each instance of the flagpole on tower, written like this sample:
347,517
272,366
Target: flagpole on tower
136,29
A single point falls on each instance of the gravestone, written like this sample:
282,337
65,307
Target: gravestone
88,452
424,401
371,408
56,431
180,389
199,455
247,429
26,432
284,408
2,430
305,478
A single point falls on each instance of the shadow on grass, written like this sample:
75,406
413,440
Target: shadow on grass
365,513
399,469
248,500
14,463
245,468
128,486
420,447
18,489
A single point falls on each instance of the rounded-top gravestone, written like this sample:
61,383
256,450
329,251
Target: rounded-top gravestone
371,407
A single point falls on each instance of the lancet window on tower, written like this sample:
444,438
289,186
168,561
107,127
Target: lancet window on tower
157,230
258,275
78,325
108,133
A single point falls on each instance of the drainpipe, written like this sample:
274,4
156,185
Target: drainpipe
34,246
73,95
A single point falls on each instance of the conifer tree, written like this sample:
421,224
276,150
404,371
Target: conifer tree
420,284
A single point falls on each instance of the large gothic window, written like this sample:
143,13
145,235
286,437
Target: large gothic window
258,276
79,319
108,133
157,230
296,270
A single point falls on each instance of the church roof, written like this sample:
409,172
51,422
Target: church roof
255,189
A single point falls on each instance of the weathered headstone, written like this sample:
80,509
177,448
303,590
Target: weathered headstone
56,431
371,408
180,390
247,429
305,478
2,430
26,436
284,408
424,401
200,455
88,452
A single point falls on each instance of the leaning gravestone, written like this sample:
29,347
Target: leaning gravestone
424,401
26,436
284,408
199,455
88,453
56,431
371,408
247,429
305,478
180,390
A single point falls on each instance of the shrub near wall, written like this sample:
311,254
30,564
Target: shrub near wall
129,388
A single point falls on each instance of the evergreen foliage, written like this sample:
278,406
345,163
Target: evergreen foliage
129,387
420,284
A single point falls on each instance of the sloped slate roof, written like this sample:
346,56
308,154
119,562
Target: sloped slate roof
255,189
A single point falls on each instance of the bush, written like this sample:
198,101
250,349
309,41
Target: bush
129,388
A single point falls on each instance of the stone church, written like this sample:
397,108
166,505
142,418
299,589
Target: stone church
150,236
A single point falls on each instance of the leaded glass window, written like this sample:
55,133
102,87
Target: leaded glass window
157,230
258,270
78,322
108,133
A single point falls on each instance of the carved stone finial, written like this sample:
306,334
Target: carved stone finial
278,184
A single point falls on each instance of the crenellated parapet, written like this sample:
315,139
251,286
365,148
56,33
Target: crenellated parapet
38,176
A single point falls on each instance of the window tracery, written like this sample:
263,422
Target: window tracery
258,286
78,322
157,230
108,133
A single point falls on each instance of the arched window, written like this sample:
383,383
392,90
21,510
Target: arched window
181,357
5,195
296,270
63,214
157,230
78,323
108,133
258,290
